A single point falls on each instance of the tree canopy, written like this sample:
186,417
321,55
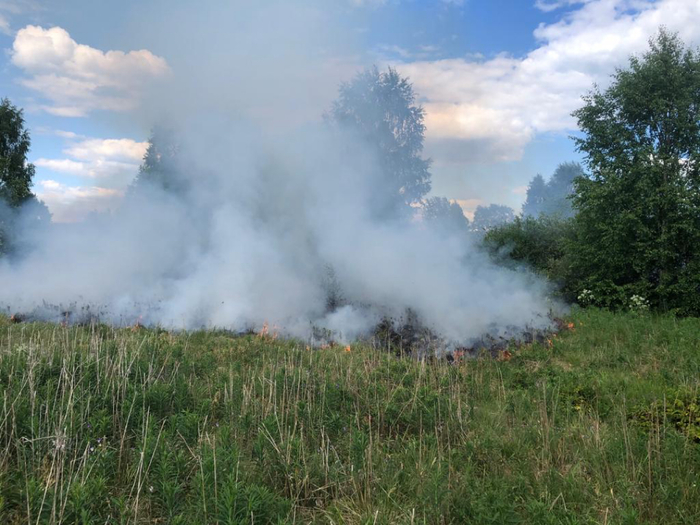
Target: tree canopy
160,163
487,217
380,108
554,196
15,172
16,175
638,222
445,215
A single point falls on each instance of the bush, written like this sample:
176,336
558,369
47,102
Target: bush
538,243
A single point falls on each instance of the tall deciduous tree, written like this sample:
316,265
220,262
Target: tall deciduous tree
554,196
16,180
638,221
445,216
487,217
380,108
560,188
536,195
15,172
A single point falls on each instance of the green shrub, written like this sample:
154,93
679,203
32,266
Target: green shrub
538,243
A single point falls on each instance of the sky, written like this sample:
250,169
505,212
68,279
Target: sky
498,78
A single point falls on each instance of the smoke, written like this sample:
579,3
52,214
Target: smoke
251,241
266,226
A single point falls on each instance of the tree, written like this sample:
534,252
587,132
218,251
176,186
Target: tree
638,221
19,208
537,242
487,217
536,195
160,166
444,215
560,188
15,172
380,109
554,196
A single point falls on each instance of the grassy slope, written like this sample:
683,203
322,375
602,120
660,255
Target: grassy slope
105,426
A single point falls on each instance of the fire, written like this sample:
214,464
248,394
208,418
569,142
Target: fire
348,349
137,325
505,355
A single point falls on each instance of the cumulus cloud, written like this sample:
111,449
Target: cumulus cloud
114,149
62,166
502,102
109,164
75,79
74,203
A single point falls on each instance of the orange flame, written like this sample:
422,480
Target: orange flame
505,355
137,325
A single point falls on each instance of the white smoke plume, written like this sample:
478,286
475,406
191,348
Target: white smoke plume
251,243
252,240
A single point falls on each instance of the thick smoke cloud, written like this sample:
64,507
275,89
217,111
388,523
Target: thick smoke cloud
251,241
273,216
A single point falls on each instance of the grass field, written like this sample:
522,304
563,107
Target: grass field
99,425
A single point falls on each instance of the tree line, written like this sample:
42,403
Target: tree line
634,237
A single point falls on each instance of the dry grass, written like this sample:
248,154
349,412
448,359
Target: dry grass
99,425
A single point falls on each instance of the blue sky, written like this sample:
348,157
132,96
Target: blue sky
498,78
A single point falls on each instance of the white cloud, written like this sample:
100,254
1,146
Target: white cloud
67,166
66,134
4,25
114,161
501,103
74,203
47,130
115,149
551,5
76,79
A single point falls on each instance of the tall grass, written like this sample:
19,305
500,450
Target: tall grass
99,425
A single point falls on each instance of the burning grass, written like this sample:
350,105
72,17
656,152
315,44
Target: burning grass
104,425
404,335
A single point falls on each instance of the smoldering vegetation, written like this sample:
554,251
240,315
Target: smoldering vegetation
295,232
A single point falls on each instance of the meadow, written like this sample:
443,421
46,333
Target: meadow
600,424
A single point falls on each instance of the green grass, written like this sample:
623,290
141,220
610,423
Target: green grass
118,426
